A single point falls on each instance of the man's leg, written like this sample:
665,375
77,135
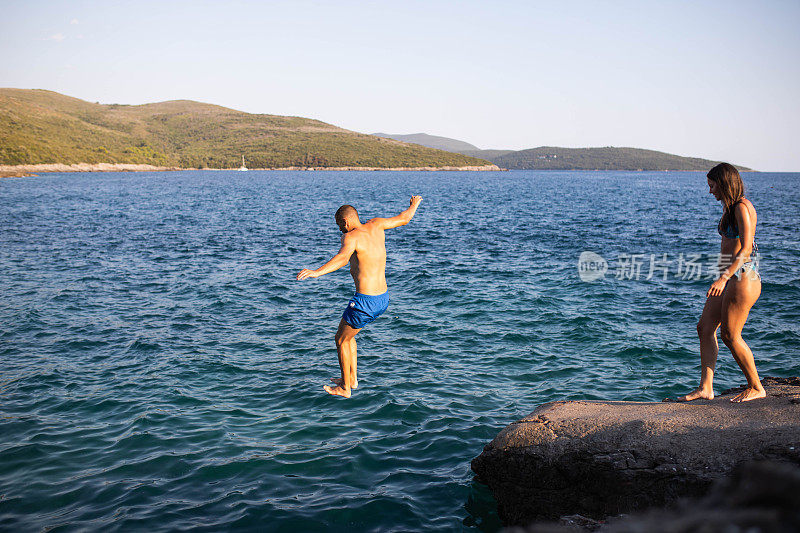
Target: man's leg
344,335
353,371
353,364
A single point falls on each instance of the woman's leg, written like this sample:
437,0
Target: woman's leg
707,332
738,298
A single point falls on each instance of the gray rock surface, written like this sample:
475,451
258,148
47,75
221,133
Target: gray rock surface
758,497
600,459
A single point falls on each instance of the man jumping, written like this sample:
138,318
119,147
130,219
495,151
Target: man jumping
364,245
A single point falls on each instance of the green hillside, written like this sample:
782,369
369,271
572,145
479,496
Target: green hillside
608,158
38,126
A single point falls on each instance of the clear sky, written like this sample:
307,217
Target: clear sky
719,80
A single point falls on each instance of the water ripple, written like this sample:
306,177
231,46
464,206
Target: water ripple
162,370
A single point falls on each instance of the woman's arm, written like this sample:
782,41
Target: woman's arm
747,229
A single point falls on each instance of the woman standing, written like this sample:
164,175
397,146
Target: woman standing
731,296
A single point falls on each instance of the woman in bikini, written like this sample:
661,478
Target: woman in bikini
731,296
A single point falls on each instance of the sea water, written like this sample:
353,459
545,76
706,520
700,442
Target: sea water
162,369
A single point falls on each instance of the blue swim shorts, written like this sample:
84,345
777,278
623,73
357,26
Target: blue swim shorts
363,309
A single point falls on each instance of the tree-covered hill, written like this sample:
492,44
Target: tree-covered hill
554,158
38,126
608,158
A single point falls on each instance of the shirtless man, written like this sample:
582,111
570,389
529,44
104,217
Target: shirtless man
364,246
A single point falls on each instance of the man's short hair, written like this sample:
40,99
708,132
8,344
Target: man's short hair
345,212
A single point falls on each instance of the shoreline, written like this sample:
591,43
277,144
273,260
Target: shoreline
24,171
20,171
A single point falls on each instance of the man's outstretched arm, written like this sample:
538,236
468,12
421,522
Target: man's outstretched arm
337,261
403,218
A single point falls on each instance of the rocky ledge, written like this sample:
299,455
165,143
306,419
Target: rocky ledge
761,497
601,459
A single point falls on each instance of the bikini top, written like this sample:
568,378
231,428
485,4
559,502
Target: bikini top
726,230
727,225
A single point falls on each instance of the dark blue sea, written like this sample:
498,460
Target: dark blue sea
161,369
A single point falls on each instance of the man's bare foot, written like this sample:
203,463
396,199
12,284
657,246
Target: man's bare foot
353,382
749,394
697,394
337,391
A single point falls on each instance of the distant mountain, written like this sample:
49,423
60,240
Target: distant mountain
608,158
431,141
38,126
485,154
554,158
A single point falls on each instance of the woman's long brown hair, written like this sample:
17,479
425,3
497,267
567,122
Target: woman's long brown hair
731,190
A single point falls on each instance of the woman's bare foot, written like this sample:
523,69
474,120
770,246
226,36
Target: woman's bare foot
353,382
698,394
749,394
337,391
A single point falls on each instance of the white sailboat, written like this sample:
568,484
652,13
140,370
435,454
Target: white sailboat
243,168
